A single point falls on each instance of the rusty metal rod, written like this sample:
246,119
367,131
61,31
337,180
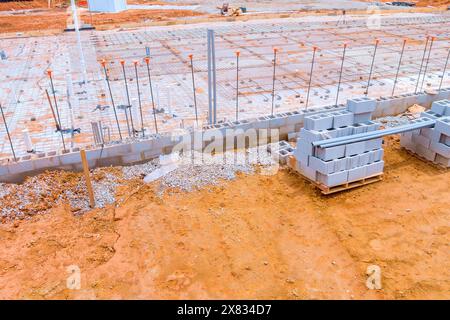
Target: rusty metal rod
310,76
445,69
139,97
237,84
112,99
147,61
274,77
49,72
58,128
398,67
426,64
128,106
193,88
7,132
340,73
371,66
421,64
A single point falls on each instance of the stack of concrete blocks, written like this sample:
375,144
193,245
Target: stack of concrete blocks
350,162
432,144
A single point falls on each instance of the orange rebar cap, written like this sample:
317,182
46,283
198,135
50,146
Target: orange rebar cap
315,48
49,72
103,62
275,49
345,44
122,62
238,53
377,41
135,62
190,56
147,60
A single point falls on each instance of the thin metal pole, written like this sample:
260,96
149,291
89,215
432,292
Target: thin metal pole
103,63
421,64
445,68
310,76
237,84
274,76
7,132
193,88
56,121
139,97
147,61
398,68
426,65
128,107
49,72
340,73
371,66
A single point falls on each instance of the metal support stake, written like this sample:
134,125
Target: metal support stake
147,61
49,73
371,66
212,104
398,68
103,63
340,74
193,88
274,76
237,85
128,108
445,69
310,76
421,64
139,97
426,64
7,132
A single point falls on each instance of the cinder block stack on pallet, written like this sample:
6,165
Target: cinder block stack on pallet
343,164
432,144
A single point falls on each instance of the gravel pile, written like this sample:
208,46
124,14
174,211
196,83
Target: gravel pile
37,195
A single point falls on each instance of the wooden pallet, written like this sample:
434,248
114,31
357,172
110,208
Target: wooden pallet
342,187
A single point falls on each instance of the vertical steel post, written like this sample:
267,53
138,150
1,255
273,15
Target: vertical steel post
128,107
445,69
193,88
371,66
426,64
421,64
340,73
237,85
212,96
398,67
310,76
58,128
139,97
147,61
103,63
275,50
7,132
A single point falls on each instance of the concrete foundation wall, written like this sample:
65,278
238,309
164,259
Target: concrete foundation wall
211,138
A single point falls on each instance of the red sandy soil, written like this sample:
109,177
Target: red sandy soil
263,237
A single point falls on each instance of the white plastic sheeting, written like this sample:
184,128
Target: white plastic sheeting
107,5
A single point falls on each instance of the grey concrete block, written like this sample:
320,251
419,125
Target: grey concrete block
425,152
276,121
430,115
374,168
445,140
422,140
427,132
373,144
344,131
442,160
364,158
352,162
294,118
356,174
378,154
362,117
332,153
361,105
359,128
301,157
325,167
321,121
372,126
334,179
342,119
305,146
441,149
20,167
308,172
70,158
443,125
440,106
355,148
340,164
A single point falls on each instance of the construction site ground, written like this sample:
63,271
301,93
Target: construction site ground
257,236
